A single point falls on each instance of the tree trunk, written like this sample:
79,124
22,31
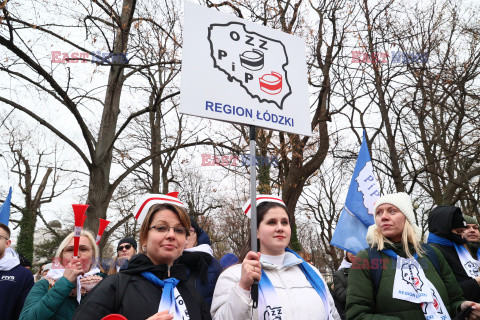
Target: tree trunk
100,190
262,164
27,232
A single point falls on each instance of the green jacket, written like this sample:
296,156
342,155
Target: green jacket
54,304
361,303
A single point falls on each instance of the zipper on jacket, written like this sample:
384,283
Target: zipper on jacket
168,271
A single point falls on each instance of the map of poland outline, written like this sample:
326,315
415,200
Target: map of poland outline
252,62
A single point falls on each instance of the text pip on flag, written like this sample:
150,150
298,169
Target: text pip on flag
357,214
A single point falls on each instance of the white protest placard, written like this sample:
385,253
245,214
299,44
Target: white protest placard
239,71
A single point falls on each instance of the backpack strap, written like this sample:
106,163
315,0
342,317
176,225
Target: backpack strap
432,256
375,273
122,282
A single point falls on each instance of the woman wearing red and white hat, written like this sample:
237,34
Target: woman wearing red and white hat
288,286
153,286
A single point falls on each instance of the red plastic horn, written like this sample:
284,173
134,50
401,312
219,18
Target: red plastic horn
83,221
114,317
101,227
173,194
79,211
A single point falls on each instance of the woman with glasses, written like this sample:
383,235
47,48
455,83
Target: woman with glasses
153,286
57,295
126,248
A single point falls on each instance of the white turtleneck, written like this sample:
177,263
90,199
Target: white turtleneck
276,260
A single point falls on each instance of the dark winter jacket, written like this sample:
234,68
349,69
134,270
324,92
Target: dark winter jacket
15,284
141,298
439,223
362,304
340,281
229,259
473,248
203,269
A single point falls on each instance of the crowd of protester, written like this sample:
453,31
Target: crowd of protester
170,272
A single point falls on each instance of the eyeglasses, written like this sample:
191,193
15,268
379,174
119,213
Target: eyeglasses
181,231
127,247
4,238
81,250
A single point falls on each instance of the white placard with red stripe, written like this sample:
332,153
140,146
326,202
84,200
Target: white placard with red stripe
238,71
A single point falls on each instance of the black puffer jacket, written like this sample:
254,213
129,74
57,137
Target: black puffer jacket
203,271
473,247
141,297
439,223
340,281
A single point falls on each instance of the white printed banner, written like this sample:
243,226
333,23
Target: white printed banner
238,71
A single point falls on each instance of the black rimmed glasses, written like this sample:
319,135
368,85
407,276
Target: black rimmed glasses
180,231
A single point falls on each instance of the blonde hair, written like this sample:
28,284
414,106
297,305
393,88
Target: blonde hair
89,236
378,240
179,211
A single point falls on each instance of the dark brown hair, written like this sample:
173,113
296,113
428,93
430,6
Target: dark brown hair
6,228
262,209
179,211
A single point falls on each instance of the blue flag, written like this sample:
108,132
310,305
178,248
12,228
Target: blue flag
357,214
5,209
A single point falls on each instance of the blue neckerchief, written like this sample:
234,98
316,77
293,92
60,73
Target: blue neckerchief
167,301
393,255
311,276
433,238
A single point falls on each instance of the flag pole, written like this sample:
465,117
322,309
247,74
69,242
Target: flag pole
253,208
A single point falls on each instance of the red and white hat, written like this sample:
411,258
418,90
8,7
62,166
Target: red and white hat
148,200
261,198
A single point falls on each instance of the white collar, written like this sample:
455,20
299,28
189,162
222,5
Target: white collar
201,248
290,260
345,264
9,260
275,260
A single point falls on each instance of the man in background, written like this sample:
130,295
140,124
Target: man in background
15,280
472,235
